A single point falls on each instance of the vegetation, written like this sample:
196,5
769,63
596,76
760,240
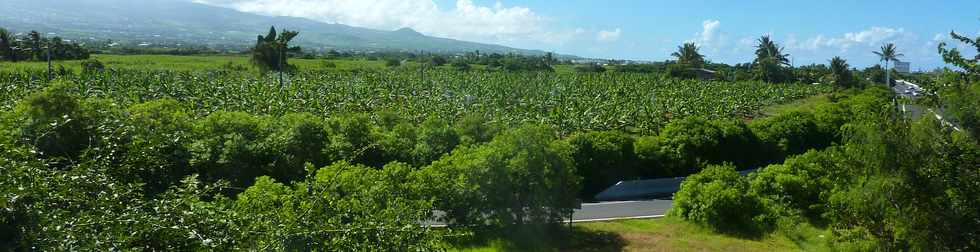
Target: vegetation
888,54
770,61
34,47
688,55
271,51
890,184
217,158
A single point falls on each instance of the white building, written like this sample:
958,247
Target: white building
903,67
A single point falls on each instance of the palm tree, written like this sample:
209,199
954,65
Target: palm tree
688,54
770,61
769,50
888,54
841,72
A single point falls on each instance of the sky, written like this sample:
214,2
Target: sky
811,31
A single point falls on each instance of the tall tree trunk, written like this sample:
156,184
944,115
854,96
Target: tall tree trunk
888,74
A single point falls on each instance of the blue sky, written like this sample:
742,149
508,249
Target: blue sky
811,31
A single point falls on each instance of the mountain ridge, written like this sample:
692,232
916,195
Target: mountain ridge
171,22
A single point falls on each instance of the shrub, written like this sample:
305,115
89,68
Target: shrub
602,159
475,129
650,159
801,186
156,153
92,66
693,142
590,68
717,197
523,177
227,145
461,66
435,138
393,63
791,133
295,140
54,123
355,138
344,207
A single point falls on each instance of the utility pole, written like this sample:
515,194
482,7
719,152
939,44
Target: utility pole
49,62
422,58
282,58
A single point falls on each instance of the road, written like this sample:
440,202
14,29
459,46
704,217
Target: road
621,210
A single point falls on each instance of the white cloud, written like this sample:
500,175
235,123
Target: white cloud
466,20
873,36
609,36
711,39
710,30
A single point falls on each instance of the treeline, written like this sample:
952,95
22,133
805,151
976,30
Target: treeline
891,184
33,47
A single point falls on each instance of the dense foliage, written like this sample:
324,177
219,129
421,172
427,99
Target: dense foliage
33,47
632,102
890,184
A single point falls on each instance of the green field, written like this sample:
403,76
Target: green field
568,101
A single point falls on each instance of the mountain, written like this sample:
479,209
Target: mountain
171,22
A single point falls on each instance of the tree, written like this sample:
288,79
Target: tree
841,73
34,40
888,54
688,54
770,61
271,51
6,47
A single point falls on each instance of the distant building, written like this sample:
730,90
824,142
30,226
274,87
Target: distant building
903,67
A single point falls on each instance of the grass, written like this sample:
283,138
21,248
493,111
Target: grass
666,234
802,105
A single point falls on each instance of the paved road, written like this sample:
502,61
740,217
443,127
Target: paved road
621,210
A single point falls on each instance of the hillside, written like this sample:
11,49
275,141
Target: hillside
171,22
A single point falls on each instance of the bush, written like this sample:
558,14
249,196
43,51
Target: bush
718,197
650,159
344,206
227,146
590,68
801,186
461,66
435,138
294,141
602,159
692,143
393,63
475,129
681,71
522,178
157,153
92,66
791,133
54,123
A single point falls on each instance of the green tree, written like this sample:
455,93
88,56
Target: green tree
841,73
888,54
271,52
770,61
6,46
522,178
688,54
